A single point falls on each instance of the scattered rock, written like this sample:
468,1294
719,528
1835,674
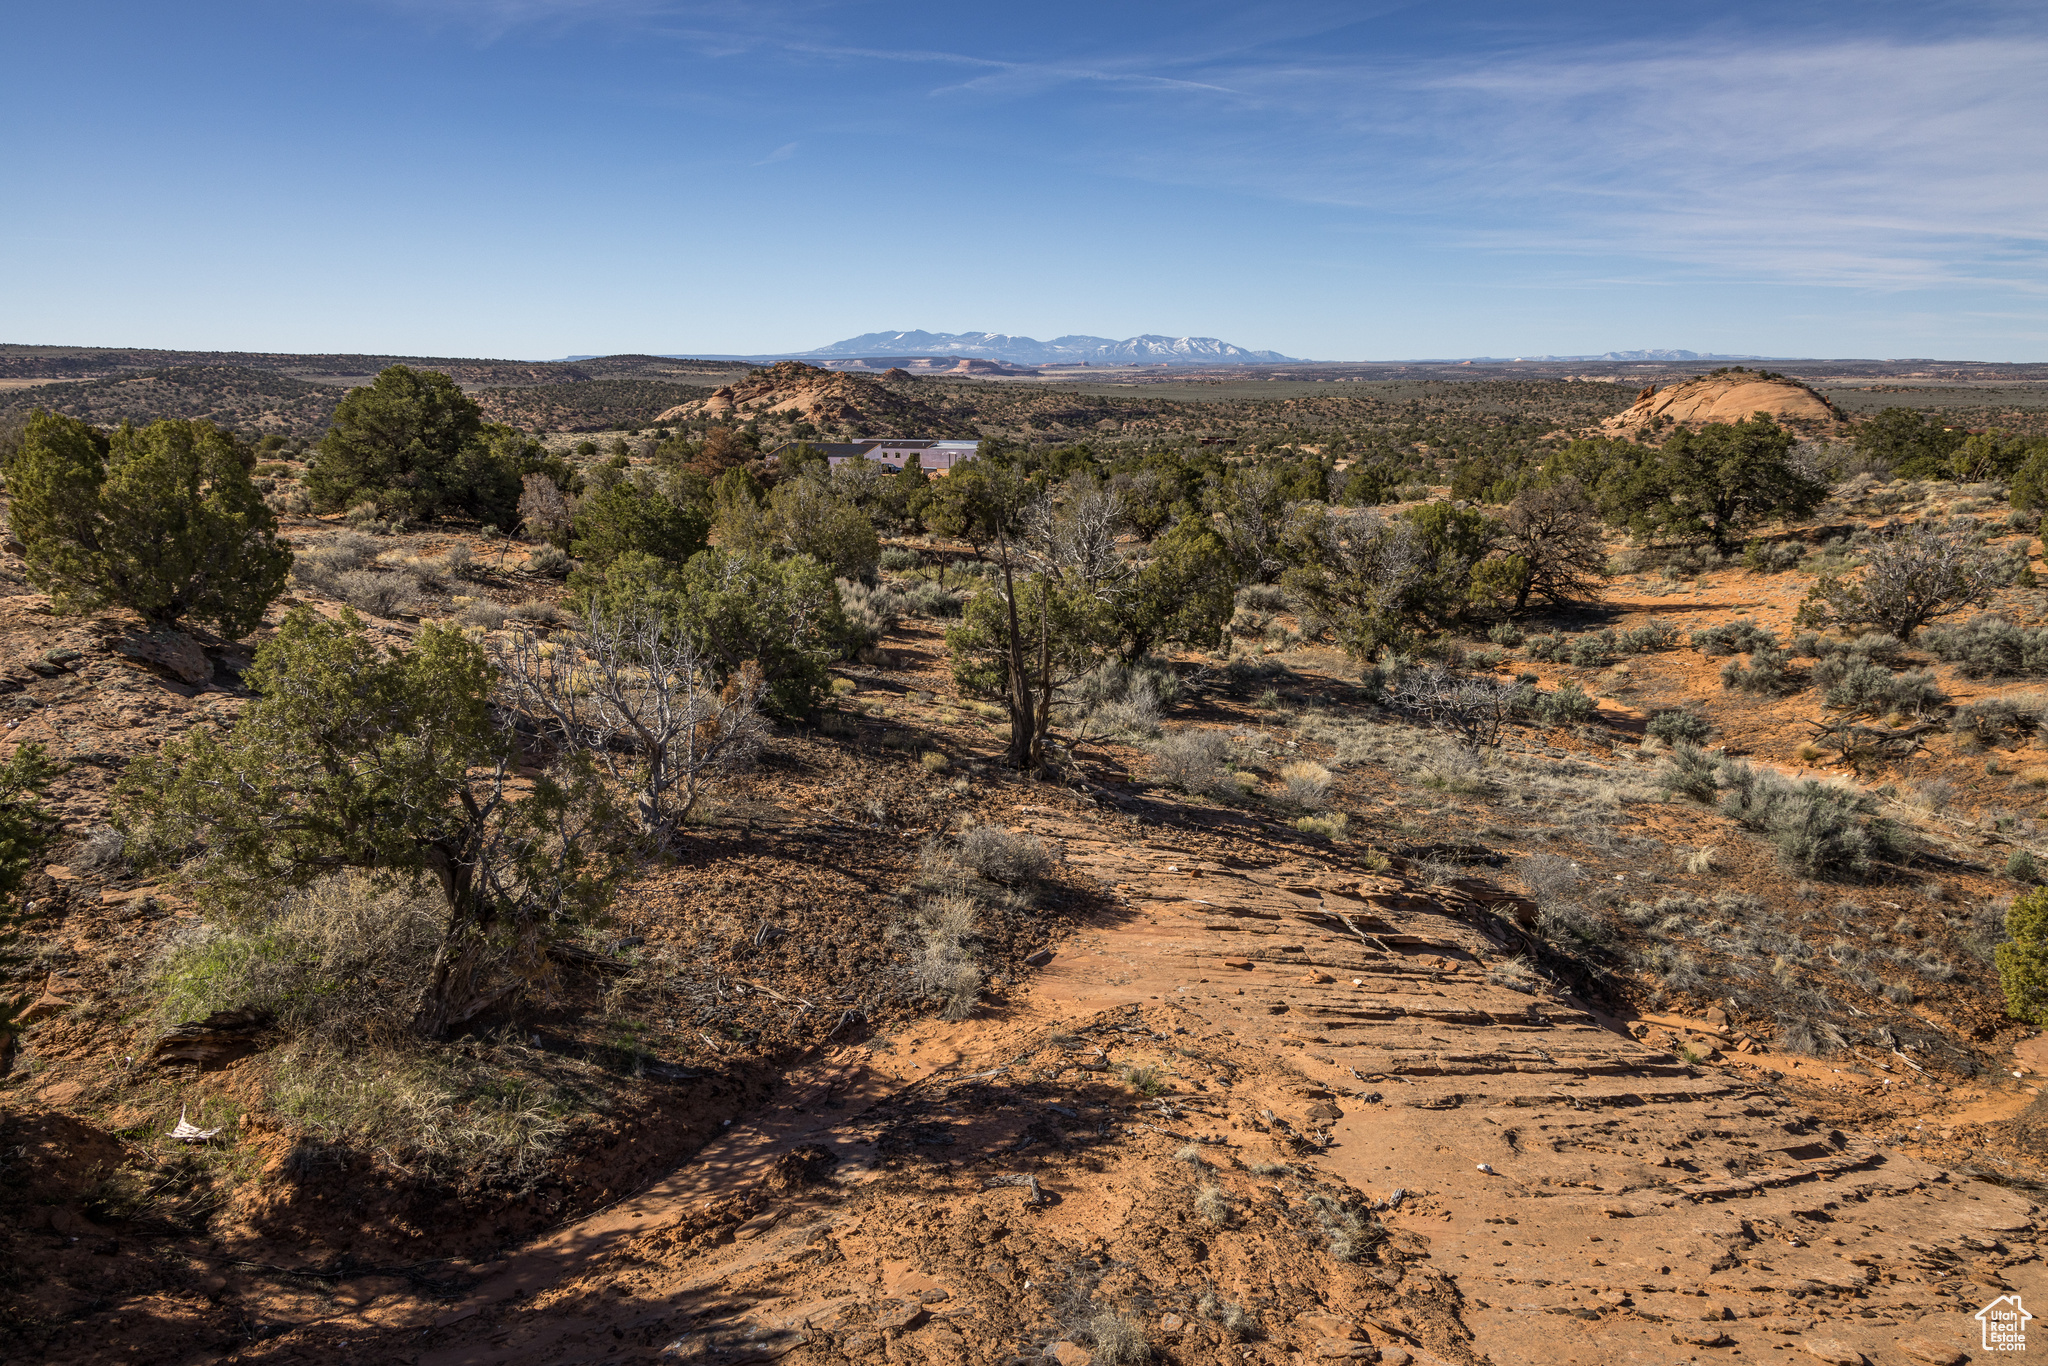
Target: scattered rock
1833,1351
737,1345
1070,1354
1171,1323
900,1316
1038,959
1933,1354
1335,1350
1331,1327
1024,1179
758,1225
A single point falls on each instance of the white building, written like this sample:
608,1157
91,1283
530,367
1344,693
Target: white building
893,453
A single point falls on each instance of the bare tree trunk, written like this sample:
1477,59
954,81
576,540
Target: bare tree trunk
1044,725
1022,722
461,985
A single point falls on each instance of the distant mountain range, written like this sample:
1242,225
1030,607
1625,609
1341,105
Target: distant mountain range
1646,355
1149,349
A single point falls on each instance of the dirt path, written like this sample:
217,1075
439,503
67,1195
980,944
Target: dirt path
1559,1192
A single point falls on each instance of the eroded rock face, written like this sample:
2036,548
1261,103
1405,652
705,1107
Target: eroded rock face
1724,398
820,396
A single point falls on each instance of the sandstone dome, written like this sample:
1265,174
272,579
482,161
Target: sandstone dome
1729,397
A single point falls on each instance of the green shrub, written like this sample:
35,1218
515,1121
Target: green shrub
1820,829
1565,705
1507,634
2023,959
898,559
1772,557
1989,645
1733,638
1860,688
1993,719
2022,866
869,613
1872,647
930,600
1767,672
1679,723
1592,650
1652,636
622,519
1547,649
1692,772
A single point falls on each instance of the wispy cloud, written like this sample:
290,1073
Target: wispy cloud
1906,159
1847,162
782,153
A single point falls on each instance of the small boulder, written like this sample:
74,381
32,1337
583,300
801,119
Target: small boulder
800,1167
1329,1326
176,653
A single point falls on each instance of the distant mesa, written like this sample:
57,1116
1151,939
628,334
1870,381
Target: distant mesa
1147,349
1734,396
825,398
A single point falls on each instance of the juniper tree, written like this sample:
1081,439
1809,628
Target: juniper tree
163,520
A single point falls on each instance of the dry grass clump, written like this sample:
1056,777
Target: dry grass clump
344,959
1233,1319
1349,1232
101,848
1119,1341
454,1114
340,966
1215,1207
1004,856
1332,826
1308,783
1549,877
1146,1081
942,963
1191,760
481,613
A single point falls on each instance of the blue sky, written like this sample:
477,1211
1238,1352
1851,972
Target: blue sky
533,178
